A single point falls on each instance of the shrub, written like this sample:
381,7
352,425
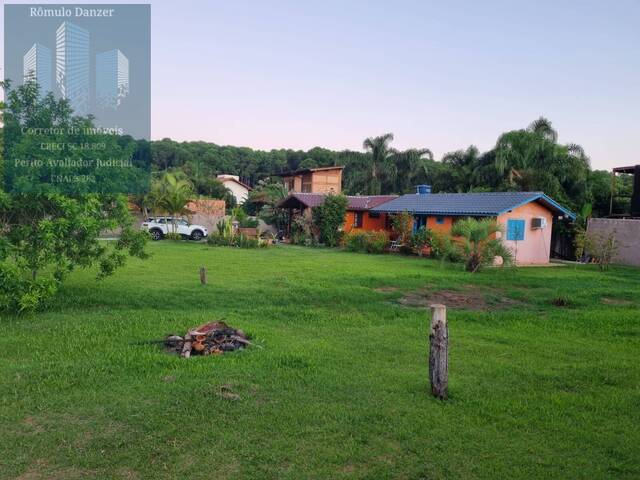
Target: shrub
173,236
301,230
19,294
225,227
328,218
442,247
599,246
240,241
476,245
354,242
247,242
420,239
402,226
366,242
249,223
217,240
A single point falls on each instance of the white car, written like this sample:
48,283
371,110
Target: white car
158,227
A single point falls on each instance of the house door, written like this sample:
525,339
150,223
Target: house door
419,221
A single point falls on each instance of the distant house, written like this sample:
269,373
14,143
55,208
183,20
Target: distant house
527,217
314,180
239,189
359,215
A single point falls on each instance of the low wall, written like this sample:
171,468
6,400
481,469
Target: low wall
627,235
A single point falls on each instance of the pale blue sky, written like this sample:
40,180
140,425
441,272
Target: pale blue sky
441,75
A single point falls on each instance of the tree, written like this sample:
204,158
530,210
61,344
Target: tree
214,188
463,165
401,224
532,160
329,218
477,244
263,200
46,235
421,239
409,167
380,152
175,193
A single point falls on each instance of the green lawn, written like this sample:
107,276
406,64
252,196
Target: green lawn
340,388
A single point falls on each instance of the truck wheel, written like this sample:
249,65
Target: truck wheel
156,234
196,235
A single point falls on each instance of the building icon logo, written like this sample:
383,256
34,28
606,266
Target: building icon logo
73,71
112,79
37,67
72,66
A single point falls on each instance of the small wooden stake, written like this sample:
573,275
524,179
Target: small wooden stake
439,352
203,275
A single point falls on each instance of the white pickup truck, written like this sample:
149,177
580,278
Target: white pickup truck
158,227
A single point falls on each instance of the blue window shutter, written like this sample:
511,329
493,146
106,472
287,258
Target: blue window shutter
515,230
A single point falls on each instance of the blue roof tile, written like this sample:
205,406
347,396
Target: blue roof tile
468,204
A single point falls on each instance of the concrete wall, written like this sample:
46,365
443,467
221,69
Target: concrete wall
627,234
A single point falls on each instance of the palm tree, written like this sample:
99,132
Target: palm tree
380,151
531,159
408,166
478,244
543,127
174,194
464,163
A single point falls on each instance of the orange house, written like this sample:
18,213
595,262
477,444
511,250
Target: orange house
359,216
526,217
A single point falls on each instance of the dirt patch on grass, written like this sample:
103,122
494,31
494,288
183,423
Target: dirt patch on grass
41,471
34,424
386,289
468,299
615,301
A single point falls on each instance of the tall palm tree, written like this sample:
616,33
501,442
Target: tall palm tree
543,127
532,159
464,163
408,166
380,151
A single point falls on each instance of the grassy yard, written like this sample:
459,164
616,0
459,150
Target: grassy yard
340,388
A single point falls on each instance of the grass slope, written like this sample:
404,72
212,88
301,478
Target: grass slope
340,389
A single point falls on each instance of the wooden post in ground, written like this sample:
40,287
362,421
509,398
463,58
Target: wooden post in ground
439,352
203,275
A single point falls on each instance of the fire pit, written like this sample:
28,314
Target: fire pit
213,338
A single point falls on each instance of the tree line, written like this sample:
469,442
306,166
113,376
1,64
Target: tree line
526,159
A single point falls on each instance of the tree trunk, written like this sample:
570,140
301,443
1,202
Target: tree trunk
439,352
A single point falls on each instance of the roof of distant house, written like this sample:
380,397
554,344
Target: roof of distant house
308,170
469,204
232,178
312,200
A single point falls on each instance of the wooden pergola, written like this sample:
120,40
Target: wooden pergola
635,196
